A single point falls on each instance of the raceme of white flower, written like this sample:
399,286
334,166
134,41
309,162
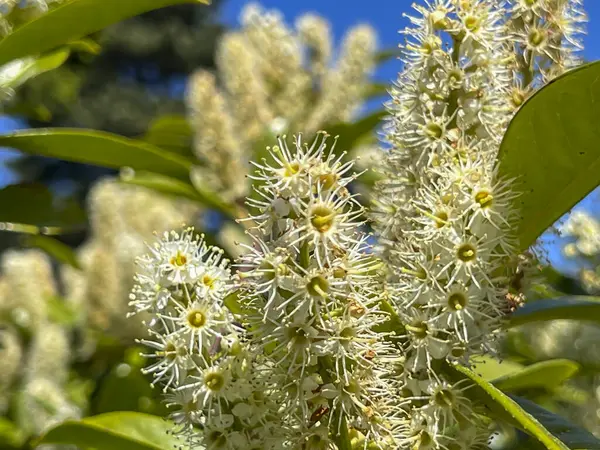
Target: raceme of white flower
315,290
273,78
36,352
302,363
547,39
314,333
444,217
197,351
585,229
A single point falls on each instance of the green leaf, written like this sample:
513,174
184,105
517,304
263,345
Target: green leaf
551,147
160,183
576,307
352,134
126,389
72,20
375,90
98,148
10,434
114,431
61,252
171,132
490,368
545,375
27,68
85,45
505,408
385,55
31,208
572,435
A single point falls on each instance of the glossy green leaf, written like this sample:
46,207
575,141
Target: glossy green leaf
24,69
573,436
544,375
126,389
85,45
98,148
171,132
375,90
386,55
160,183
197,192
353,134
31,208
505,408
552,149
72,20
490,368
576,307
114,431
61,252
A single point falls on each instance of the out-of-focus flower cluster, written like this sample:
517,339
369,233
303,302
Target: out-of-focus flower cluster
570,339
36,348
52,322
576,341
274,78
13,12
584,233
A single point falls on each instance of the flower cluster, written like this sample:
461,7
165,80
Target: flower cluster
303,365
444,217
315,289
273,78
583,231
35,349
547,39
328,343
13,12
220,390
